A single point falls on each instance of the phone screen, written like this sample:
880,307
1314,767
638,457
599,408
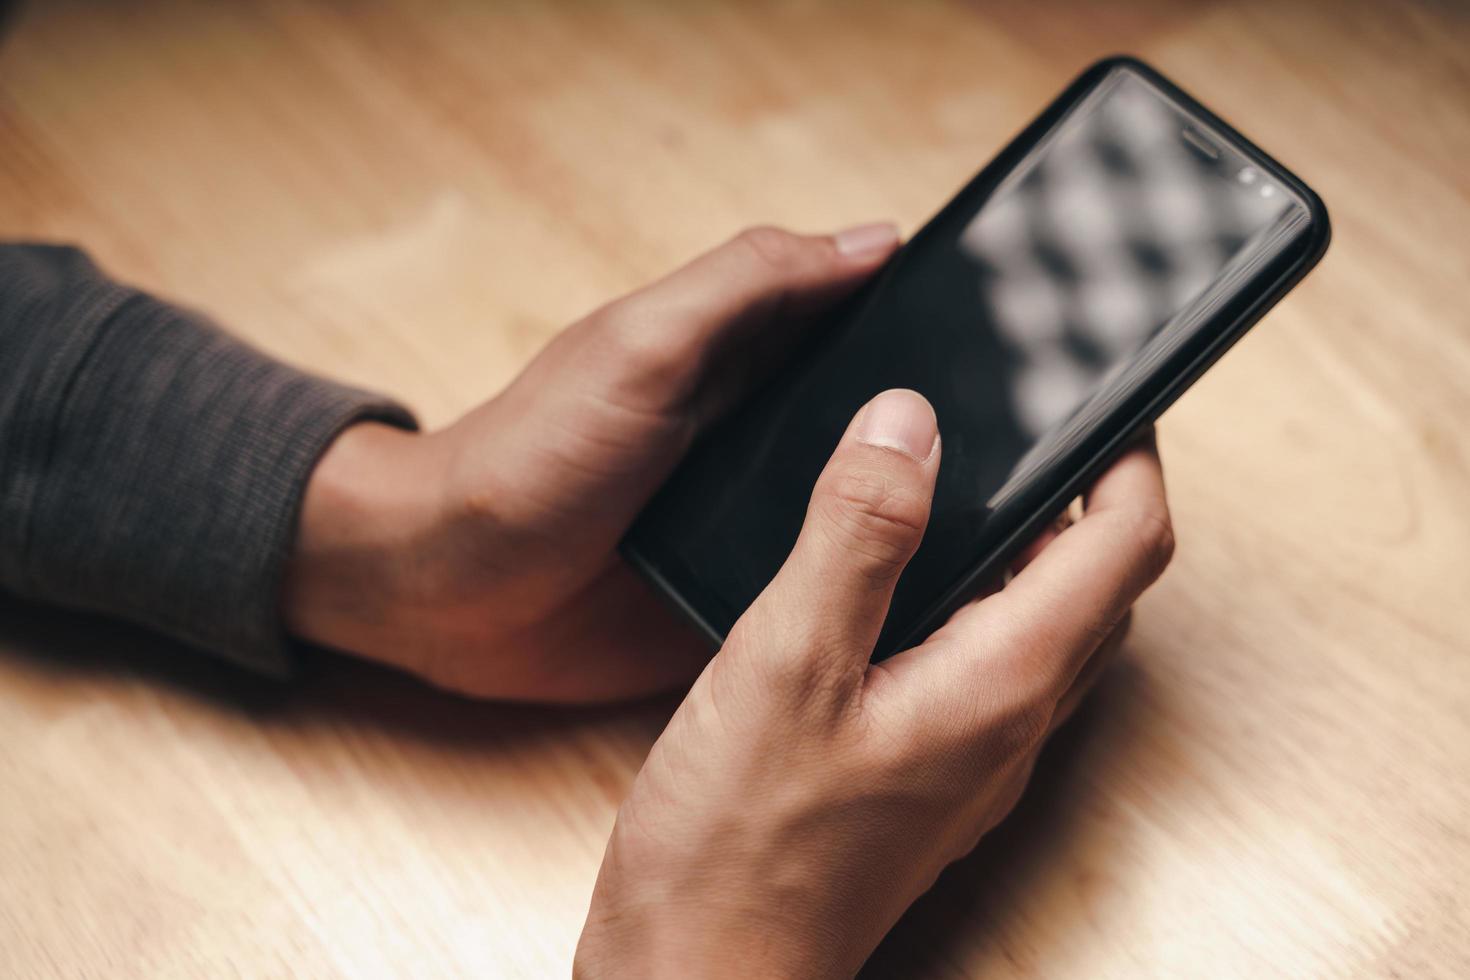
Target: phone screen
1025,312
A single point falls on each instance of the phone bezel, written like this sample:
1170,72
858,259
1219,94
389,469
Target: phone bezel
1075,470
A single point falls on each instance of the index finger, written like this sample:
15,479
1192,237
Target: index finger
1035,634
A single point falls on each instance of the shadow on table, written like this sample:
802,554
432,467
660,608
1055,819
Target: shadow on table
60,653
55,657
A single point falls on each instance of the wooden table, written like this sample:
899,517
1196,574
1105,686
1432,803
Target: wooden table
1276,781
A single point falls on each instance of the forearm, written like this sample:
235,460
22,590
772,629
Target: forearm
152,467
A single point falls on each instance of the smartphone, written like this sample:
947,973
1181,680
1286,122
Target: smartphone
1050,312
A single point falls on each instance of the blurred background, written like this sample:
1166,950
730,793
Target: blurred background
415,196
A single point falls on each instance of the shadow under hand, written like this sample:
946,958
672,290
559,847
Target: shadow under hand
50,656
971,922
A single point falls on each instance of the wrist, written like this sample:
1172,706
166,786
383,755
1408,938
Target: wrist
644,925
673,950
367,500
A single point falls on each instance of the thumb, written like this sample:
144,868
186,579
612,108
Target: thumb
866,518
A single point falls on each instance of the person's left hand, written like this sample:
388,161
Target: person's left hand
482,557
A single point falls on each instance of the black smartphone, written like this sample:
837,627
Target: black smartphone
1050,312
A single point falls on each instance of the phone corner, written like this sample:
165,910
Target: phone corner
1121,59
675,599
1320,224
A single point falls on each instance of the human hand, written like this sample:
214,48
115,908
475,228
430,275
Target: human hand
483,557
801,798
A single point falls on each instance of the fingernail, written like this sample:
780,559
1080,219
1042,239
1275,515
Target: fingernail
879,236
899,419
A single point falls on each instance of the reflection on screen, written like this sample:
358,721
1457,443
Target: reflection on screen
1024,316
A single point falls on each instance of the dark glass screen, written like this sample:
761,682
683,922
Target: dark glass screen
1025,312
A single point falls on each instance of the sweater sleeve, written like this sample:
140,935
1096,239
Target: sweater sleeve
152,467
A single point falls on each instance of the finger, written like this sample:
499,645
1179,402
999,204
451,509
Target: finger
865,520
1043,539
1092,671
737,308
1034,548
1069,598
1028,642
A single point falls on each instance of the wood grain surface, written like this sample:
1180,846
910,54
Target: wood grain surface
1275,781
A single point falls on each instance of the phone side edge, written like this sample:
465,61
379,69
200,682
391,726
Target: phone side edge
992,563
675,598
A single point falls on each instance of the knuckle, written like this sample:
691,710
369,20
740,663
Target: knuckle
876,515
1152,529
770,246
625,331
876,501
632,345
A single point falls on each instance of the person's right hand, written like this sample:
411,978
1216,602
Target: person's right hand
801,798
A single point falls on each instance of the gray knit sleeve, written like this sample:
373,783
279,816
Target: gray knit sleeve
152,467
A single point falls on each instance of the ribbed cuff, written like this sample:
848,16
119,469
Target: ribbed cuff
158,476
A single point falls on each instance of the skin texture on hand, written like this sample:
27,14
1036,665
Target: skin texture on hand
483,557
801,798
